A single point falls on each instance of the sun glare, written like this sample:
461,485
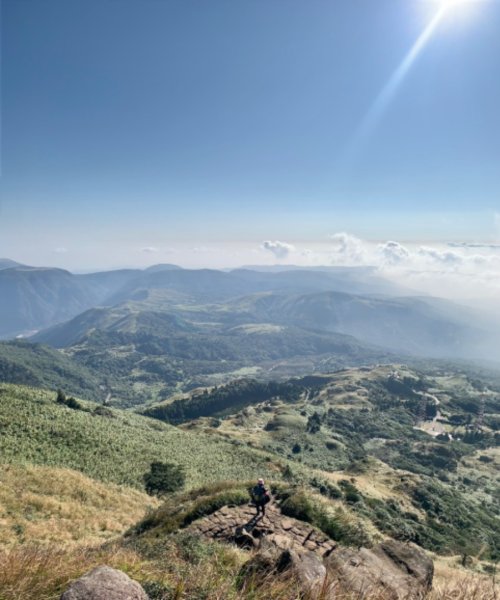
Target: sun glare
453,4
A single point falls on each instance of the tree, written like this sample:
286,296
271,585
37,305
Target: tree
61,397
314,423
69,402
163,478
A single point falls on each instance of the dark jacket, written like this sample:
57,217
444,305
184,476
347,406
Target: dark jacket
259,493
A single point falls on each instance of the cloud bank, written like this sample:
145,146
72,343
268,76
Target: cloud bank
281,250
460,270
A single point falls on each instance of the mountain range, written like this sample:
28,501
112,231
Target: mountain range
143,334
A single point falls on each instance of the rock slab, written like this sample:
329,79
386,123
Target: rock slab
276,555
393,570
104,583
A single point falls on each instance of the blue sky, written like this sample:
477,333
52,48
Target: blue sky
130,126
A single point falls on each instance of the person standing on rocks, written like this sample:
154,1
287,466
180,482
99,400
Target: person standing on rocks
260,496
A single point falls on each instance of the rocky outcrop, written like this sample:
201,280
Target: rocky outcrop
240,525
394,570
104,583
278,554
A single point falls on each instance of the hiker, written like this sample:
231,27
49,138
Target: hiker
260,496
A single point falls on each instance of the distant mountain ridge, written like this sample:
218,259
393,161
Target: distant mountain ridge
349,301
34,298
6,263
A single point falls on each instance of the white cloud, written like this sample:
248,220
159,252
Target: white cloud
347,249
202,249
393,253
60,250
473,245
280,249
150,250
446,257
461,271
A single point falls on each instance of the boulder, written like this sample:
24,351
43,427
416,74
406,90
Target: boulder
104,583
279,554
243,538
306,567
393,570
412,559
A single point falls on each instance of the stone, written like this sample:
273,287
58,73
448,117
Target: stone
402,571
279,554
104,583
310,545
277,540
411,559
307,567
244,539
286,524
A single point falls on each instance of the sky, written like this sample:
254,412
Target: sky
238,132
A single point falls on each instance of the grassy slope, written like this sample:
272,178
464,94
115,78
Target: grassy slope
40,366
441,494
54,505
34,429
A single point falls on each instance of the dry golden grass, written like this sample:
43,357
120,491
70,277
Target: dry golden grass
177,569
44,572
53,523
452,582
52,505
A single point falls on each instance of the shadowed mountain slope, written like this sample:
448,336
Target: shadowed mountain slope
40,366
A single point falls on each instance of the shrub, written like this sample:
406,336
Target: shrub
336,525
164,478
485,459
69,402
103,411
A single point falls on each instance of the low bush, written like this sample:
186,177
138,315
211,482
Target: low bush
301,505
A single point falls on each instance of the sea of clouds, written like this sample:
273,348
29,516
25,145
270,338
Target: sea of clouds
461,271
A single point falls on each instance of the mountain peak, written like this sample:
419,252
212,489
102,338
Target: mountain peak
7,263
162,267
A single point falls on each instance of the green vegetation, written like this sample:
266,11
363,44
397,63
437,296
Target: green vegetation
40,366
36,429
164,478
230,397
337,524
179,510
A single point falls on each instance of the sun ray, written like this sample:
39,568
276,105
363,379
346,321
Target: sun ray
382,101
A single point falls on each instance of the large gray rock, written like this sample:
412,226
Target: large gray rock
104,583
393,570
306,567
412,560
279,554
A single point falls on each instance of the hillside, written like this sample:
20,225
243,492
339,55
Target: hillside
35,297
6,263
39,366
111,446
353,458
351,301
53,505
142,354
402,448
406,324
